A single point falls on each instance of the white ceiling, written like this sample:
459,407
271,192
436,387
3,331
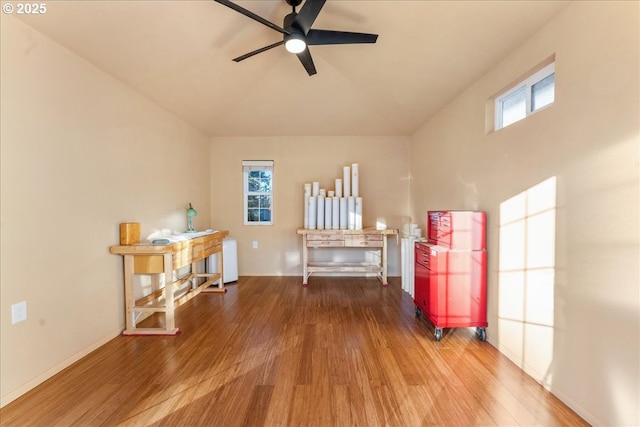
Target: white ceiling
178,53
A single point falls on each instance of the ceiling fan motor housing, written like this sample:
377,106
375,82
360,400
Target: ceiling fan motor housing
296,34
294,3
290,24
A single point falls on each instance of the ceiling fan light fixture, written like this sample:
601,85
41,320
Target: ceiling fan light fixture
295,43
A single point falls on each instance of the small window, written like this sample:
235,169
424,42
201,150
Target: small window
525,98
258,192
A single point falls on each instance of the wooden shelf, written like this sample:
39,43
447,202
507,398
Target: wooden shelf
344,267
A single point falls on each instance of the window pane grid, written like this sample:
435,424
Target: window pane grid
258,192
542,93
514,107
535,92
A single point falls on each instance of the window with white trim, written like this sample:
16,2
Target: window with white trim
258,192
530,95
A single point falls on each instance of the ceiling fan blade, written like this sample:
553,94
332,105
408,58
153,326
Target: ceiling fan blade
252,15
320,37
257,51
308,14
307,62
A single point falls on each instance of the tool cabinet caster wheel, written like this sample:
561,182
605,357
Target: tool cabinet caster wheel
418,312
482,334
438,334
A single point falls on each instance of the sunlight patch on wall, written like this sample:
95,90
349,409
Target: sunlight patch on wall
526,279
381,223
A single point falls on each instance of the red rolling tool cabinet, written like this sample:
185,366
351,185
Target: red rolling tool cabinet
451,271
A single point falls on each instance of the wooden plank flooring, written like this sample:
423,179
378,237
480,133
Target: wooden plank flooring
342,352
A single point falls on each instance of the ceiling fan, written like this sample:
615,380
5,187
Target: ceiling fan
298,34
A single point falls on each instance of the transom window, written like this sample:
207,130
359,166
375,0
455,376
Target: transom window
258,192
530,95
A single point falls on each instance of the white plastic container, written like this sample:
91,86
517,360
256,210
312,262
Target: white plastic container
229,260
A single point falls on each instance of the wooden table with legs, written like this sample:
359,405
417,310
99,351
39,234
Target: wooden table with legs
368,238
162,260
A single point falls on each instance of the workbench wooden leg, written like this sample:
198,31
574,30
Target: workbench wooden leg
170,320
305,261
221,268
194,275
129,299
384,261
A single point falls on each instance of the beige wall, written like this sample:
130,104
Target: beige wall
384,187
81,153
589,141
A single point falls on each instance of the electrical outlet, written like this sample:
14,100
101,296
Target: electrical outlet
255,244
18,312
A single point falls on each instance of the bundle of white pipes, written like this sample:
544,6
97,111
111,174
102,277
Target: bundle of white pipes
340,209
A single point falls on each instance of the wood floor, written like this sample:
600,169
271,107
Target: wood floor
342,352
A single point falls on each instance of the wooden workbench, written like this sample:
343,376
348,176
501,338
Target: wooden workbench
162,260
368,238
